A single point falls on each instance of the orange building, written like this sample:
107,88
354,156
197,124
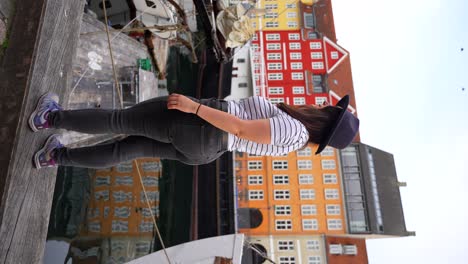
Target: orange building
295,194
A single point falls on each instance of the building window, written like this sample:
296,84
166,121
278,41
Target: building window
271,24
271,6
274,66
291,5
308,209
304,164
273,46
282,195
243,85
295,45
305,152
280,165
292,24
306,179
271,15
297,76
283,225
275,76
320,100
282,210
330,178
327,152
287,260
331,194
299,101
296,65
315,45
273,56
350,249
309,20
275,90
276,100
272,36
316,55
255,179
255,195
255,37
328,164
317,65
284,245
294,36
313,260
254,165
334,224
291,15
313,245
307,194
298,90
295,56
254,24
309,224
333,209
280,179
334,55
240,60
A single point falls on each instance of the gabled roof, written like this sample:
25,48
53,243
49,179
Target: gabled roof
325,23
330,46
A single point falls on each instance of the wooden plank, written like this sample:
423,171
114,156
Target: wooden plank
39,59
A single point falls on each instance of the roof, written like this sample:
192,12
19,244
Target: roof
325,23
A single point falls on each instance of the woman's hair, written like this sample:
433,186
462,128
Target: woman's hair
317,121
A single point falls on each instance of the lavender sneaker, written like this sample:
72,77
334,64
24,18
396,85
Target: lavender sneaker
45,156
48,103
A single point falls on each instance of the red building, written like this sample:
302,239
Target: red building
346,250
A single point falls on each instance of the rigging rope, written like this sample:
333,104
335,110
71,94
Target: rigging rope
121,106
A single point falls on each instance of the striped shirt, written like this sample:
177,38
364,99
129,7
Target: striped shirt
287,133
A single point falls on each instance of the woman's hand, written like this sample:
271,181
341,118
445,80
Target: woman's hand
181,103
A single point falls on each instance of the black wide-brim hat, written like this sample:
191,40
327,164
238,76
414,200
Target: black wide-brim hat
343,130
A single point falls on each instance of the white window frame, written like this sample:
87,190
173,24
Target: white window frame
304,164
317,65
334,55
271,15
315,45
294,36
272,36
291,15
255,180
299,101
328,164
289,5
316,55
313,245
275,90
305,152
330,178
309,224
274,66
271,6
292,24
297,75
305,179
294,45
254,165
271,24
308,209
282,210
276,100
273,56
314,260
298,90
281,195
333,209
285,245
307,194
327,152
273,46
320,100
287,260
295,56
277,76
296,65
280,165
256,195
331,194
286,223
334,224
280,179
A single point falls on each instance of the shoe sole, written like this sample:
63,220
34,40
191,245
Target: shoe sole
31,118
37,163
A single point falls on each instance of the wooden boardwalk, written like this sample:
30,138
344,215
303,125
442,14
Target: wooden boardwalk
39,59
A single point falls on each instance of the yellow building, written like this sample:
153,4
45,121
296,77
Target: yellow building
279,15
296,194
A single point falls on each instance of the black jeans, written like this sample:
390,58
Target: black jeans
154,131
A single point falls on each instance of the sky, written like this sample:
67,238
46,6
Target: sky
408,74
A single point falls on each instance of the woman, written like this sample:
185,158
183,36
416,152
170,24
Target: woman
192,131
